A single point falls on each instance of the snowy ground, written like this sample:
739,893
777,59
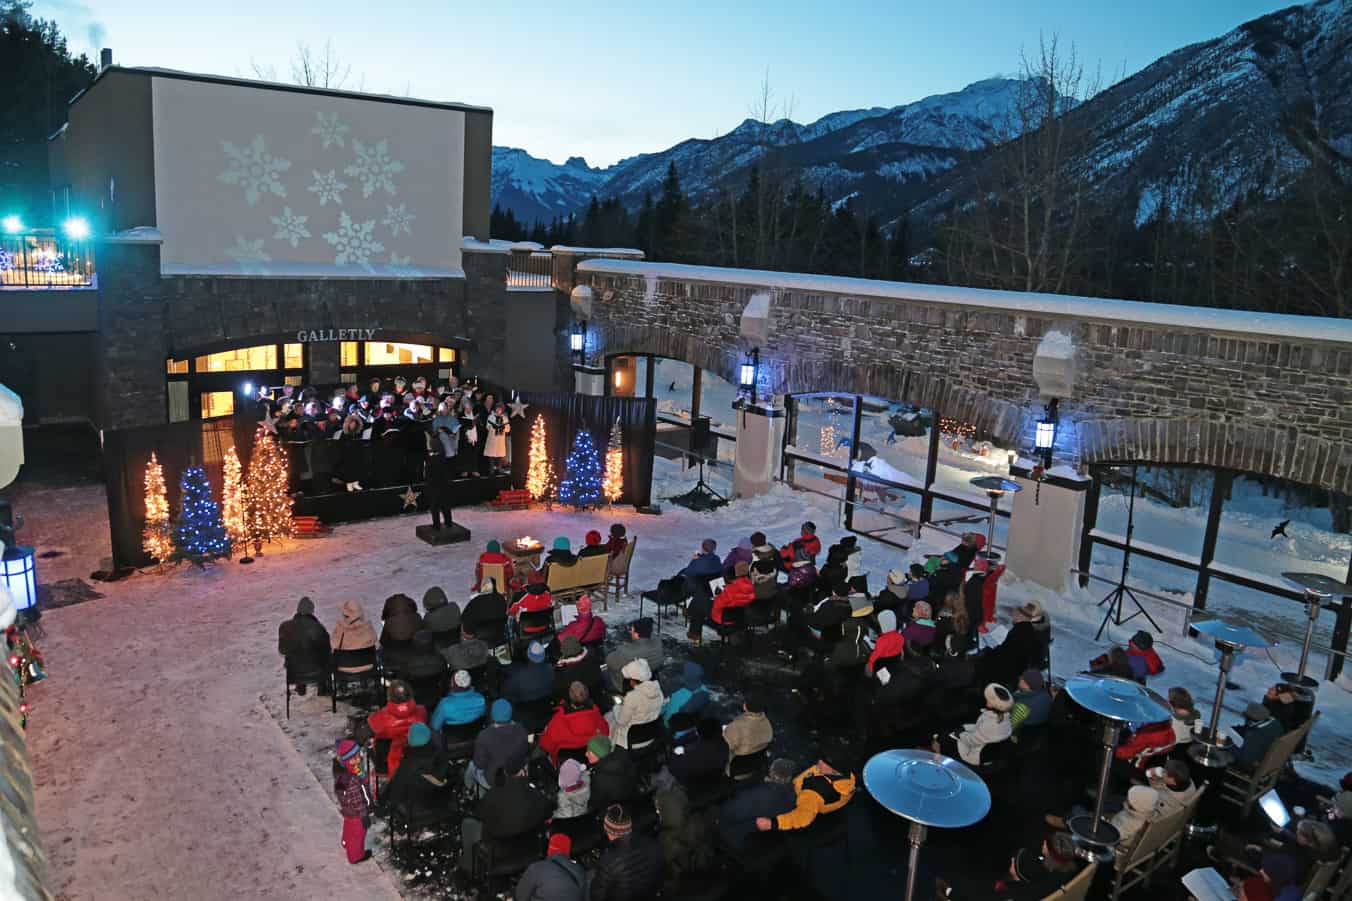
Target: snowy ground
164,765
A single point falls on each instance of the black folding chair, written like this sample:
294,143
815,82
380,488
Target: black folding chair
315,675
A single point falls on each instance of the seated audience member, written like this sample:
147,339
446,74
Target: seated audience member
1132,818
893,595
704,566
1141,654
642,643
762,549
502,746
1185,714
461,706
587,627
953,619
614,778
890,642
1032,703
921,630
769,799
593,546
304,642
1277,879
738,593
469,653
441,617
1281,701
1037,873
1259,730
765,578
803,575
512,809
631,867
350,634
391,722
956,671
850,653
576,663
991,727
401,620
691,697
901,686
486,611
422,666
420,784
560,553
556,878
825,620
1114,663
739,554
818,790
700,765
684,835
574,723
492,554
532,682
574,791
1149,741
536,599
642,701
750,732
967,548
851,556
1024,647
618,542
1173,785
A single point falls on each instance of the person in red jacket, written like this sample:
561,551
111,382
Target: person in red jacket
890,642
573,724
588,627
392,721
808,541
1142,656
1149,741
740,592
537,599
492,554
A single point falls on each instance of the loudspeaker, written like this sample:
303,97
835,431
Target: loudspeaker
701,439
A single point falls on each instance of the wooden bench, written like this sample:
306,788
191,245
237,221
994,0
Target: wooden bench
568,583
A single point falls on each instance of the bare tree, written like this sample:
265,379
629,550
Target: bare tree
322,68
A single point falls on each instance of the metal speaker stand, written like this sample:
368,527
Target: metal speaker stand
702,497
1115,598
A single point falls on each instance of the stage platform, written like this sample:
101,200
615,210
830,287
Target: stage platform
357,505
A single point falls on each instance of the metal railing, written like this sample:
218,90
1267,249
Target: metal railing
530,270
38,260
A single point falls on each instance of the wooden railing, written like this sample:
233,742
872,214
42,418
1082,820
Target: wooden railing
38,260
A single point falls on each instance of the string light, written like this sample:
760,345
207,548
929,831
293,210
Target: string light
155,534
200,534
267,504
539,475
957,428
582,486
614,483
232,502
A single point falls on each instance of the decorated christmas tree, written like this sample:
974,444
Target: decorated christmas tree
156,537
199,535
614,484
232,502
267,505
582,486
539,474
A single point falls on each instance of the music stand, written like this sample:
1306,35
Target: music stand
1319,588
1117,701
1208,751
928,790
1114,598
995,488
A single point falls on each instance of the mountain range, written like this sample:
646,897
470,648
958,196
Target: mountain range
1197,128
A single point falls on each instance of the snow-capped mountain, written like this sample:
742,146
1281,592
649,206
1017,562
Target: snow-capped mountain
537,190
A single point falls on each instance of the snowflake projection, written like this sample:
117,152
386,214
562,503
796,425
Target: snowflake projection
290,227
398,219
47,259
246,251
256,170
354,241
326,187
329,130
373,167
6,260
402,265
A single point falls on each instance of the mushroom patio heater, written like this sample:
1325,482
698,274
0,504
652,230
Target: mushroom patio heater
1208,751
1117,701
995,488
928,790
1319,589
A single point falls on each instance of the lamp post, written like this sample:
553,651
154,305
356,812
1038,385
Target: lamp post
18,571
577,341
749,373
1044,439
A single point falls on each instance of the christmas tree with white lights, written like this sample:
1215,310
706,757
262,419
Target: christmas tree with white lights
614,483
267,505
539,474
232,502
156,536
200,534
582,485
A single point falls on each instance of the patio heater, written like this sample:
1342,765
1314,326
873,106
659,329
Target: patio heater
928,790
1208,751
1319,589
1117,701
995,488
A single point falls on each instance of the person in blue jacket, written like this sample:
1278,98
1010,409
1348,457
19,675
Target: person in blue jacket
705,565
691,697
463,705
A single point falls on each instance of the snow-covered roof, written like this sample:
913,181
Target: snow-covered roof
613,251
492,245
1128,312
527,246
141,234
287,269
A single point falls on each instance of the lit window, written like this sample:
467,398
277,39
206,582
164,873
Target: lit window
243,359
217,403
446,355
619,378
177,367
386,353
293,380
347,353
293,356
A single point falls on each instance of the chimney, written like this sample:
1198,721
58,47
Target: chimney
105,58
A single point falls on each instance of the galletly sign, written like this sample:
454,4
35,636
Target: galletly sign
311,336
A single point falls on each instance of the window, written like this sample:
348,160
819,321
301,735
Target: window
177,367
293,356
178,401
446,355
217,403
347,353
386,353
243,359
295,380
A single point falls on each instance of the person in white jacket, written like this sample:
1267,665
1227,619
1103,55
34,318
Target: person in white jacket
991,727
642,702
1142,801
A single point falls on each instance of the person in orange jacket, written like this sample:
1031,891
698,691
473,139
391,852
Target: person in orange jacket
740,592
818,790
392,721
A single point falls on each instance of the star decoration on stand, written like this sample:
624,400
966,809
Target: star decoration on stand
410,498
518,408
269,422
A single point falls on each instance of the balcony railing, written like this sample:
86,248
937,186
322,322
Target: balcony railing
530,270
41,260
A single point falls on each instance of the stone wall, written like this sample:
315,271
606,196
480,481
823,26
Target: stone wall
1156,389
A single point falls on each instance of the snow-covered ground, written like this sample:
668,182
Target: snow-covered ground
164,766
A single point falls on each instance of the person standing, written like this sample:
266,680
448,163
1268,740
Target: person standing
497,427
349,785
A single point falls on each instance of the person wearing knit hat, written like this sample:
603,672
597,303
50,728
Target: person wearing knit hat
420,783
500,747
574,790
462,706
598,748
587,626
1032,703
890,643
617,822
418,736
492,554
641,704
561,553
557,877
1260,730
349,785
501,711
303,642
1131,820
691,697
536,652
992,726
998,698
534,682
592,546
921,630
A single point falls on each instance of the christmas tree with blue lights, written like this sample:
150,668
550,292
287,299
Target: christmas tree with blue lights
199,534
581,487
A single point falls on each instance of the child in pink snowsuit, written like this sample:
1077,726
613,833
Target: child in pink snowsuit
349,784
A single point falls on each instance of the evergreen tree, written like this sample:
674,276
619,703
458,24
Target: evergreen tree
669,216
539,474
614,483
200,534
156,536
232,502
582,486
267,503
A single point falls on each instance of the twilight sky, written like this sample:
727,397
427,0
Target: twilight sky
609,80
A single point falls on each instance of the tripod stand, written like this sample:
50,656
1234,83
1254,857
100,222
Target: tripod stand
702,497
1114,598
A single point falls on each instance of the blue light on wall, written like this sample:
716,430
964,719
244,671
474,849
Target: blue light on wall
19,572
